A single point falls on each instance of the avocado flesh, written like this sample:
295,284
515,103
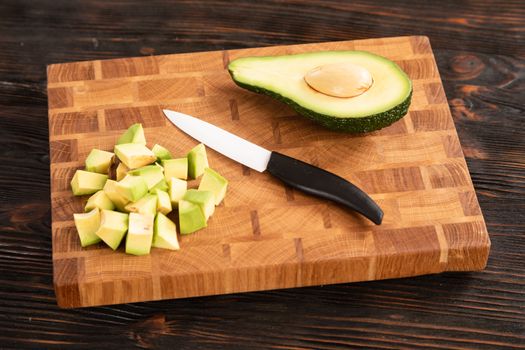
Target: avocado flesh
177,189
163,201
176,168
99,200
87,225
204,199
98,161
145,205
214,182
132,188
161,152
282,77
152,174
85,182
121,171
164,233
162,185
134,155
110,189
191,217
197,161
134,134
113,227
140,234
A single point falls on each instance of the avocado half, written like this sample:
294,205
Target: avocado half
282,77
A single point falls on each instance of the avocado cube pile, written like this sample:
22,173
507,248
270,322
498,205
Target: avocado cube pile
133,190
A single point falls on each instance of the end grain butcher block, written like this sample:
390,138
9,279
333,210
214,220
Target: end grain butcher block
264,235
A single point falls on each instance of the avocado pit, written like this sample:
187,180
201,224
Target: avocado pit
343,79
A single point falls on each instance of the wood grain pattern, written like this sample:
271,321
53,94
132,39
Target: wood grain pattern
413,169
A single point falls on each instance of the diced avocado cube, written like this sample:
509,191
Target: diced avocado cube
134,134
191,217
98,161
176,168
134,155
113,227
87,225
152,174
145,205
132,187
213,181
122,171
140,234
85,182
99,200
164,233
177,188
163,201
204,199
110,189
197,161
161,152
162,185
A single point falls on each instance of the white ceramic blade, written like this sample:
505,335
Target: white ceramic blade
224,142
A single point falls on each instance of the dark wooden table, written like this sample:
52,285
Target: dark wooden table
479,49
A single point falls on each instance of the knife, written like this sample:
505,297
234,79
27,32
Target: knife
291,171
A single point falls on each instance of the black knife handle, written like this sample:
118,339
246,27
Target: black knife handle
321,183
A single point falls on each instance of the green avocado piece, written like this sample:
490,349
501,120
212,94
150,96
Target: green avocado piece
176,168
204,199
98,161
164,233
85,182
162,185
145,205
113,227
121,171
87,225
163,201
161,152
134,155
191,217
134,134
197,161
282,77
152,174
177,188
110,189
99,200
132,188
214,182
140,234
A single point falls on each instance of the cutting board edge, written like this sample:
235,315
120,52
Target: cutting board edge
50,65
69,294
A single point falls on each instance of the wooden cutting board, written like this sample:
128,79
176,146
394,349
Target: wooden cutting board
264,235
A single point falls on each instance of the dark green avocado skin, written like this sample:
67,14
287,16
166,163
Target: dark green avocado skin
351,125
